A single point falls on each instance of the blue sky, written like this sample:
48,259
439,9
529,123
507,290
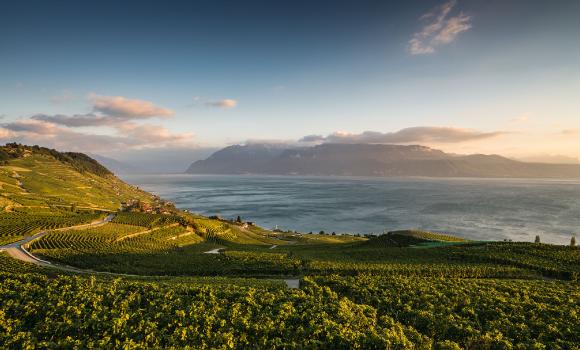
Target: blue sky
493,76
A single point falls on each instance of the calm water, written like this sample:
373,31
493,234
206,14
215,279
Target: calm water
477,209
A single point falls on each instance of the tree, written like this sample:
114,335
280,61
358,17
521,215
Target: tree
537,239
573,241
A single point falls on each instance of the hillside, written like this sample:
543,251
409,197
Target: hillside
40,179
371,160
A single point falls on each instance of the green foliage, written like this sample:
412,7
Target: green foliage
549,260
407,238
89,239
76,312
110,247
359,312
38,181
13,226
4,156
79,161
145,220
471,313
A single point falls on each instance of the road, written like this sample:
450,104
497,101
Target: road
18,250
214,251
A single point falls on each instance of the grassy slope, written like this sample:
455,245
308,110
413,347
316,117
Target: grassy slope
39,182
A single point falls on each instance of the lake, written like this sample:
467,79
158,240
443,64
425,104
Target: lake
481,209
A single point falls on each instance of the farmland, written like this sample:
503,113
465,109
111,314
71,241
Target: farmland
178,280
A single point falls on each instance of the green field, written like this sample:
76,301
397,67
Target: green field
147,279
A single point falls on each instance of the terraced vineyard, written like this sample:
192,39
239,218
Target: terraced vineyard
145,220
14,226
38,178
97,238
70,246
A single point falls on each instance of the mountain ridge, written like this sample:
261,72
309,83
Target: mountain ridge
379,160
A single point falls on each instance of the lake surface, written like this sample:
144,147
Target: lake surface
485,209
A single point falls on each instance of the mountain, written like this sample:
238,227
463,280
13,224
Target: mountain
163,160
35,178
550,159
115,166
238,159
371,160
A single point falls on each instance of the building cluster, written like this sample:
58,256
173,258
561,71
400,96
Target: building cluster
158,206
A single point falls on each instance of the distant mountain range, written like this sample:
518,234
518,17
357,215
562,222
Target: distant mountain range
371,160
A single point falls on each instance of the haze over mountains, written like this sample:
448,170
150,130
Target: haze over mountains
381,160
153,161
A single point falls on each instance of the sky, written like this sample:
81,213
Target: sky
144,80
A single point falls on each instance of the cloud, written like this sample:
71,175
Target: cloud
31,126
154,135
271,142
39,132
6,134
225,103
122,107
129,136
119,114
108,111
420,134
313,138
440,30
77,120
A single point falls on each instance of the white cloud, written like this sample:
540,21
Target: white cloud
122,107
224,103
6,134
153,135
128,136
440,30
109,111
419,134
